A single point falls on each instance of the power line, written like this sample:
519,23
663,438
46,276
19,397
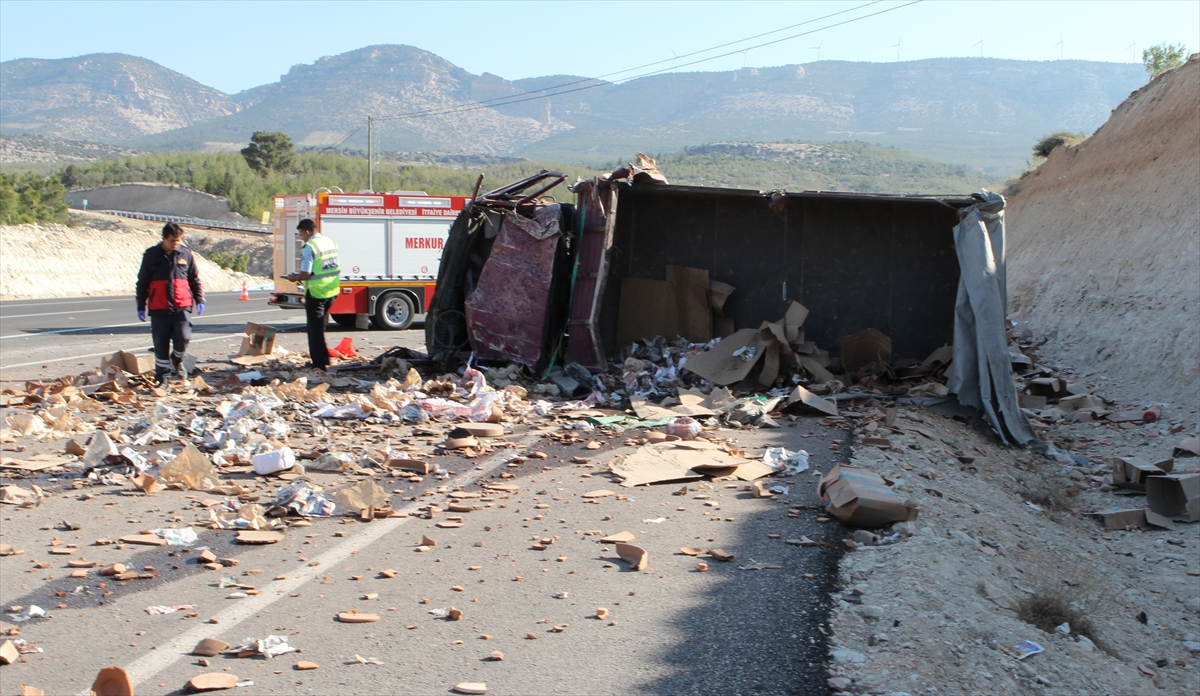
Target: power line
536,94
673,60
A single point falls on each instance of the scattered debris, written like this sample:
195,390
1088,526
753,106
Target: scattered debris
271,646
113,681
635,556
212,681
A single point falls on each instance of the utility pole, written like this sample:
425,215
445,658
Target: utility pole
370,154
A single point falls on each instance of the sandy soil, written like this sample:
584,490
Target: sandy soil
100,255
937,606
1105,242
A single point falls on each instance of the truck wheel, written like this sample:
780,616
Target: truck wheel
394,312
347,321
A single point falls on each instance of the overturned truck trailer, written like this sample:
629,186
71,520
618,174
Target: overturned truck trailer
537,282
633,260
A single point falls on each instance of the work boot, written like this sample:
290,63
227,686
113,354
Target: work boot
162,379
179,367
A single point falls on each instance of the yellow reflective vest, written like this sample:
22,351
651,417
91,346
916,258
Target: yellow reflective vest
325,280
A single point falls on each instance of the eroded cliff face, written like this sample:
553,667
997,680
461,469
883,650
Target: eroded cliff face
1104,243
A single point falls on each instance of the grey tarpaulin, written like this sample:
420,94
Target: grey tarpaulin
982,374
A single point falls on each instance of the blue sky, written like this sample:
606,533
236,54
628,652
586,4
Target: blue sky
237,45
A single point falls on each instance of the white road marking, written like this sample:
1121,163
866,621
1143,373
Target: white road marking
17,304
87,300
168,653
110,352
50,314
133,323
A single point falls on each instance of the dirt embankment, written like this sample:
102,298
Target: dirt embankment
100,255
1105,242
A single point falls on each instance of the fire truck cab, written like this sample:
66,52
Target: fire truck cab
389,248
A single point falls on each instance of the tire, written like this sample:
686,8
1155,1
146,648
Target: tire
346,321
394,312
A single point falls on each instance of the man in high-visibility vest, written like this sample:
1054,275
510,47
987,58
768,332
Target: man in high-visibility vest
321,275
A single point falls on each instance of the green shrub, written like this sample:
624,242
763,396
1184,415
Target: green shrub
233,262
1163,57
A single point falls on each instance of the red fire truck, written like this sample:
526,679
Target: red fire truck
389,247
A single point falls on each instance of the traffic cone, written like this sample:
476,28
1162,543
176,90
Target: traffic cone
245,293
345,349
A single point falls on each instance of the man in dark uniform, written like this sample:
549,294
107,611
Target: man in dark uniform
321,274
169,285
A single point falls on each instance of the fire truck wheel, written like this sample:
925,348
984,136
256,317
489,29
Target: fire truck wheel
394,312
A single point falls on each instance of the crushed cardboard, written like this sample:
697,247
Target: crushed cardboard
861,498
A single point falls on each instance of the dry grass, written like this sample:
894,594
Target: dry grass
1044,492
1066,592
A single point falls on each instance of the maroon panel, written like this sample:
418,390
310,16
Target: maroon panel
507,312
584,345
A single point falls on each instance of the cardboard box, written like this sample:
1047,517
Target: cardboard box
259,340
1175,496
128,362
1120,519
1132,472
861,498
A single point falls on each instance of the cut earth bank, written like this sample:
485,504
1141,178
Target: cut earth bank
99,255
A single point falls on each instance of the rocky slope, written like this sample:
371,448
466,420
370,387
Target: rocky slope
1104,240
36,259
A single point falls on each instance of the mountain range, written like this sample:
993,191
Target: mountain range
982,112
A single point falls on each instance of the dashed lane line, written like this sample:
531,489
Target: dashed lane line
170,652
132,323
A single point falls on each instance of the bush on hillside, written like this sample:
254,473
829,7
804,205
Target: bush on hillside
30,198
1046,145
1163,57
233,262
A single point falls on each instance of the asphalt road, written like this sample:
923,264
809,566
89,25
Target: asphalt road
741,628
43,339
670,630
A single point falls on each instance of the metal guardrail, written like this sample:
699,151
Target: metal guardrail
195,222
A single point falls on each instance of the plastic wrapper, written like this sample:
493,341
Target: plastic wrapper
685,428
271,646
333,461
236,515
100,449
354,410
178,537
304,500
478,410
33,611
273,461
191,469
360,496
785,461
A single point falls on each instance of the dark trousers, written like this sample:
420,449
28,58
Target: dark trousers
175,327
316,312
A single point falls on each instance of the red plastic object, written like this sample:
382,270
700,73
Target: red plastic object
1152,414
345,349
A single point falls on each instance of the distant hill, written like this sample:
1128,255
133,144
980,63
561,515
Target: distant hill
981,112
104,97
28,149
798,166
